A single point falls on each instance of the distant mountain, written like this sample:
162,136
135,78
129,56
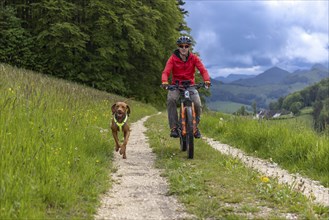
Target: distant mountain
233,77
267,86
314,75
271,76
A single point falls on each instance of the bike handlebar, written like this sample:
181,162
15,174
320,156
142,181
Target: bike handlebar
177,86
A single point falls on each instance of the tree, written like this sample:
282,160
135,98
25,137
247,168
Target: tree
295,107
241,111
254,107
290,99
15,42
119,46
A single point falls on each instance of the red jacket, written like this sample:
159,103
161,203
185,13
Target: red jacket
184,70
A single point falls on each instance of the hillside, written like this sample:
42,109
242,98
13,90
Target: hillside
315,97
233,77
267,86
55,145
274,75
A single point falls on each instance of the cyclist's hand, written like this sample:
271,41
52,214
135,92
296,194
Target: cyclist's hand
207,84
165,85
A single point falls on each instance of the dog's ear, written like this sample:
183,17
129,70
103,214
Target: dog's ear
113,108
128,110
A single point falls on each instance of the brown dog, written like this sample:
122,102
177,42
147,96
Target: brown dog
120,112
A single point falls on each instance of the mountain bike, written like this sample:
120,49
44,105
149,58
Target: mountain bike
187,124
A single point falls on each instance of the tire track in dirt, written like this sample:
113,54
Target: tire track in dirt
138,191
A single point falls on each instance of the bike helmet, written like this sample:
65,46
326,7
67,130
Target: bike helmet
184,40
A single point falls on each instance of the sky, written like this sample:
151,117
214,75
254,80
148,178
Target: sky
249,37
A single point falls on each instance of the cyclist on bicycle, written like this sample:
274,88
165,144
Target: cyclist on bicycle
182,64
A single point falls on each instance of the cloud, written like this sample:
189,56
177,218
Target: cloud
242,35
235,70
309,47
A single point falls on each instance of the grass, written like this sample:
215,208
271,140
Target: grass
55,146
227,107
290,143
56,152
216,186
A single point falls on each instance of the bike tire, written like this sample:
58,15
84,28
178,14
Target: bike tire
189,133
183,145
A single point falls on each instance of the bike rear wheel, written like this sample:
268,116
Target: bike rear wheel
189,133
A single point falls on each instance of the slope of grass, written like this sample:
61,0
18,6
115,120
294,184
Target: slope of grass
55,145
227,107
214,186
291,143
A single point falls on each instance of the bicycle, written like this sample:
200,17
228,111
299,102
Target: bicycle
187,125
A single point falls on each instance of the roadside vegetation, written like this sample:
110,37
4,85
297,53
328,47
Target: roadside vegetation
216,186
55,145
292,143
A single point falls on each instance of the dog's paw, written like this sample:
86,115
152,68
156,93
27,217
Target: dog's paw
123,150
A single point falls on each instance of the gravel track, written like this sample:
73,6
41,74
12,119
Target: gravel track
139,192
312,189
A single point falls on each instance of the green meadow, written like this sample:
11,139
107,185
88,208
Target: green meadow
55,145
56,155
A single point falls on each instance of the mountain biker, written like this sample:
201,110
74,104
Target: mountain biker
181,65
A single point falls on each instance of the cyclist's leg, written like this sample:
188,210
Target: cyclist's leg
172,99
197,105
198,108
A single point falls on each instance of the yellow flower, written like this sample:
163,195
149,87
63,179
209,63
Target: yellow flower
265,179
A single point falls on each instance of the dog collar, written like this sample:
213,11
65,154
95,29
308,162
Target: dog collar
120,125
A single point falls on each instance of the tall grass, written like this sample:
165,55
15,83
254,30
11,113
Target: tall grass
288,142
55,146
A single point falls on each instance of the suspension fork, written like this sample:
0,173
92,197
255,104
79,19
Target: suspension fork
183,117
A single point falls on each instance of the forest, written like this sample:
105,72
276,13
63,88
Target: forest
117,46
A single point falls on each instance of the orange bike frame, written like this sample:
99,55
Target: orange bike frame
183,108
183,119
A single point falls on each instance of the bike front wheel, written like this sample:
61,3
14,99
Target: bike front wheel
189,133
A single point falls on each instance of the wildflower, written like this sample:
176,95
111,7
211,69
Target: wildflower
97,161
265,179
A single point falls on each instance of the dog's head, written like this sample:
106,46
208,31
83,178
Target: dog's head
120,109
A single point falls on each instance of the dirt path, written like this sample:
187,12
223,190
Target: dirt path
138,191
308,187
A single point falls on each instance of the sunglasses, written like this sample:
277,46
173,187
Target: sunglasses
182,46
